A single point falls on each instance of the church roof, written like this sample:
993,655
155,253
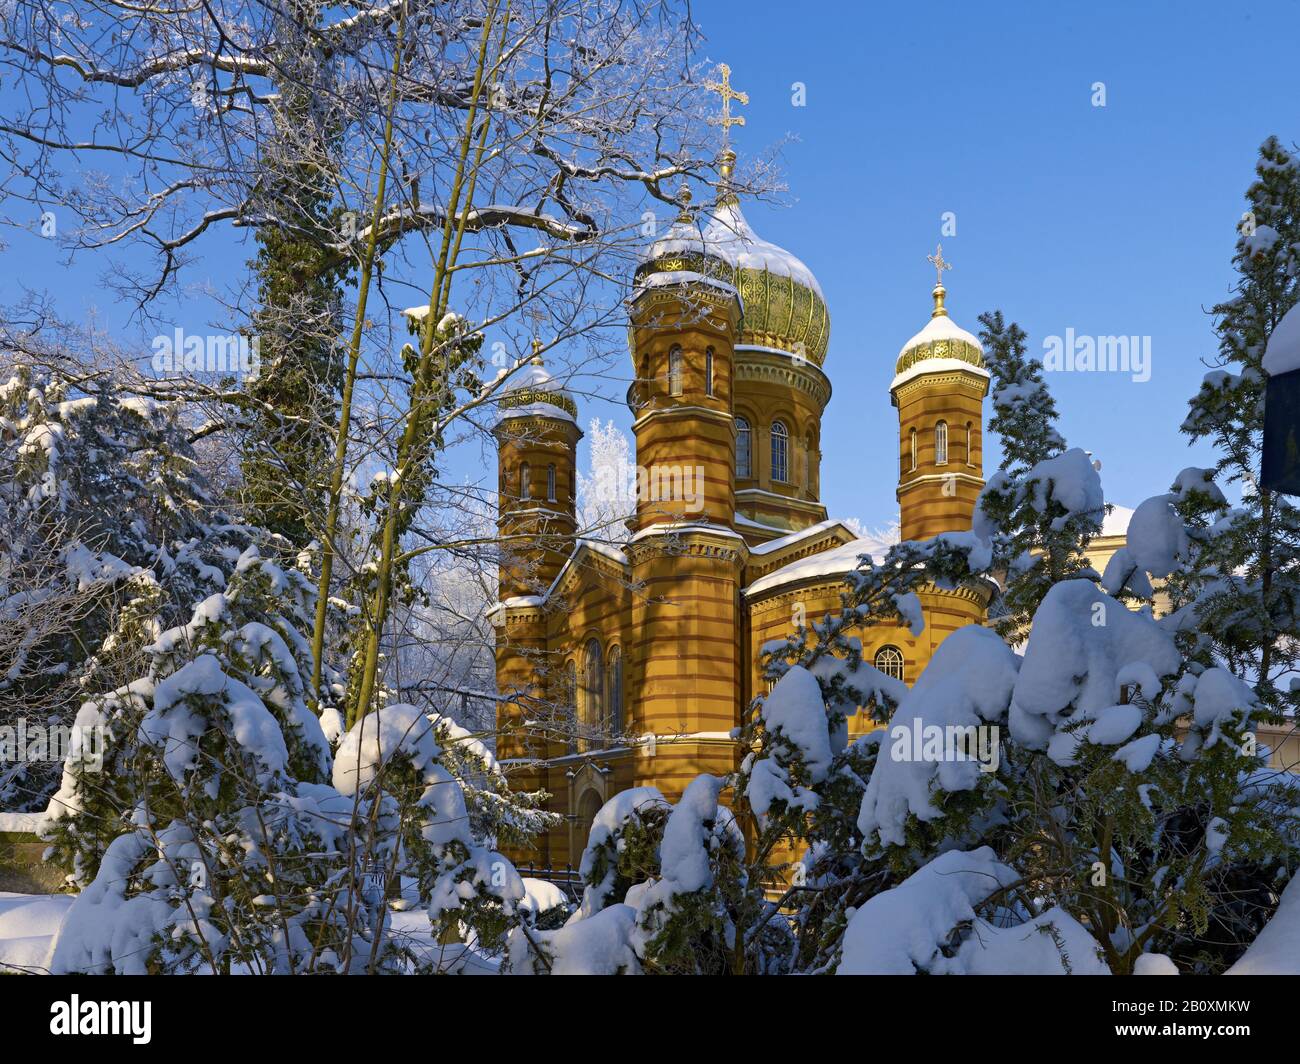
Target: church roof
837,561
532,391
942,344
783,306
726,234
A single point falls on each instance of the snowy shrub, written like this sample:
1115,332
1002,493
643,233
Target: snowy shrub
221,835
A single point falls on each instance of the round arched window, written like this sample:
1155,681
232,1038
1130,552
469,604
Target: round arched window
743,465
780,452
889,660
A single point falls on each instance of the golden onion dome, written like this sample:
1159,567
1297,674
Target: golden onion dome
783,306
533,392
942,339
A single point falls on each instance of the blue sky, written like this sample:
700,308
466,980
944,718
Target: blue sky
1115,220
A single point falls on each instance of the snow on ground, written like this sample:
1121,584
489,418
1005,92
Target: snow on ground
28,924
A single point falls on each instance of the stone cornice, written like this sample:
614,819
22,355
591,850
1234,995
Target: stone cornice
769,367
957,474
687,542
700,295
968,380
692,410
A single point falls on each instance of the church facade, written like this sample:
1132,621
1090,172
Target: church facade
630,666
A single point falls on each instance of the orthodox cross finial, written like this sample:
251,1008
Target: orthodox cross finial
537,315
723,88
939,265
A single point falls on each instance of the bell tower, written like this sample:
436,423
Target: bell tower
939,387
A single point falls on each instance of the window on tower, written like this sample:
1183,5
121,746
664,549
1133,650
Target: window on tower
941,443
675,371
913,466
550,482
591,698
708,371
970,444
780,452
570,696
525,482
614,692
889,660
742,448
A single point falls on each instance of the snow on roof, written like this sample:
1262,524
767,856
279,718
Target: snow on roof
1116,522
936,365
940,327
674,528
794,537
533,381
727,235
1283,352
661,280
607,549
834,562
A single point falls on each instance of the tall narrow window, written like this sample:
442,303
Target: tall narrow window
970,444
550,482
780,452
525,482
708,371
889,660
614,691
807,464
742,448
913,466
570,696
675,371
941,443
591,699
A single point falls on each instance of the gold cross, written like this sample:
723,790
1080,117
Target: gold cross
939,265
723,88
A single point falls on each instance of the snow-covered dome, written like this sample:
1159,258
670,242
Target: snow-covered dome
532,391
942,338
783,306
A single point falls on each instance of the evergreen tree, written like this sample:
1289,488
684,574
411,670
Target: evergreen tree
1043,505
1248,571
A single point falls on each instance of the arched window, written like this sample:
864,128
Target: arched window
889,660
570,696
970,444
913,466
708,371
742,448
780,452
550,482
591,700
614,691
808,463
525,482
941,443
675,371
